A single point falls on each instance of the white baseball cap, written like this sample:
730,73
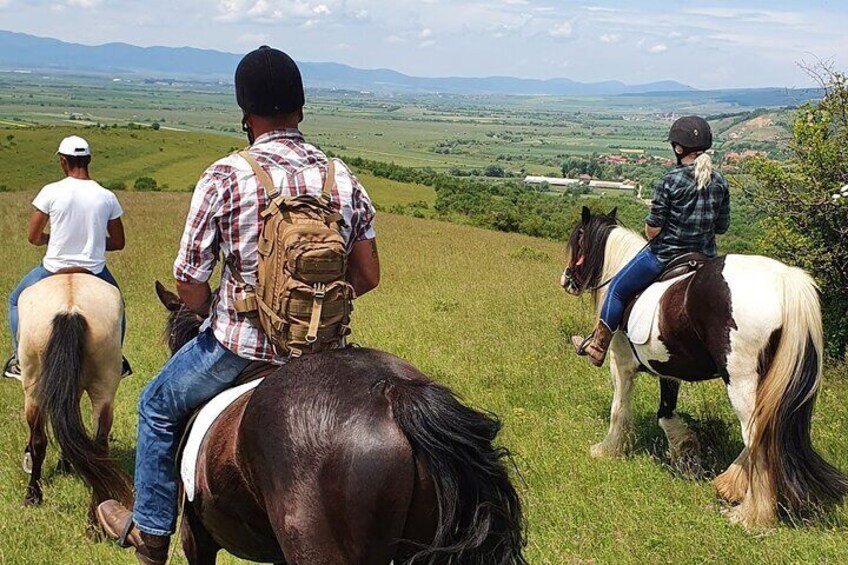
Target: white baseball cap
74,146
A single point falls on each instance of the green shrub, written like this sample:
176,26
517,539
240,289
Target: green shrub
800,198
525,253
116,185
146,184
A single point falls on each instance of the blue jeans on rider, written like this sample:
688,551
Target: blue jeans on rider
634,278
38,274
197,372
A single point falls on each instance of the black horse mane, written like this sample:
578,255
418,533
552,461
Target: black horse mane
592,232
182,326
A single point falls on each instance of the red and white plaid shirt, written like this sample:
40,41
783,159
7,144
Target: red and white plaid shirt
226,216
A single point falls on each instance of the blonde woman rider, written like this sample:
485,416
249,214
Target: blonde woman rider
691,205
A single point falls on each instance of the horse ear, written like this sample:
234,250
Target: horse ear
614,213
168,299
587,215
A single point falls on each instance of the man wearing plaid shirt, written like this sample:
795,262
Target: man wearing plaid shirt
691,205
225,217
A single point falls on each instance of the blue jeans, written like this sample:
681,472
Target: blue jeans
196,373
635,277
38,274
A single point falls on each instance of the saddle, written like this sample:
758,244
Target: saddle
254,371
677,267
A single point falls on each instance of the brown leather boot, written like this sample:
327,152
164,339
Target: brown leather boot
118,524
595,346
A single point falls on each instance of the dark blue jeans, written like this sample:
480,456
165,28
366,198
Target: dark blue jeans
196,373
635,277
38,274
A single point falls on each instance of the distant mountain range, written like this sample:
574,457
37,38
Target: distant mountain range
20,51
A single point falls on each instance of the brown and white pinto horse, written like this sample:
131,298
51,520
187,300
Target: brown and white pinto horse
70,343
751,321
349,457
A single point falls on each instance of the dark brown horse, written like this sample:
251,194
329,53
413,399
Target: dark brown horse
349,457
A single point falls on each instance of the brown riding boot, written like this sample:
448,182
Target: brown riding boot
595,346
117,522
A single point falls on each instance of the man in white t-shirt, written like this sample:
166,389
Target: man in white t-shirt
85,223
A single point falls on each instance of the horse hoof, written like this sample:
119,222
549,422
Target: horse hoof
63,467
33,498
27,463
604,451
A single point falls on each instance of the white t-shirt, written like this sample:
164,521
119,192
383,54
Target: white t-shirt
79,211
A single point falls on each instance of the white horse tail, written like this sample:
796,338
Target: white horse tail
786,470
58,392
703,170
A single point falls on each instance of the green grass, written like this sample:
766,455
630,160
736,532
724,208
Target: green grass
174,159
481,312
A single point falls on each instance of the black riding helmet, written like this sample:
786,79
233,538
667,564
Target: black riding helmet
693,133
268,83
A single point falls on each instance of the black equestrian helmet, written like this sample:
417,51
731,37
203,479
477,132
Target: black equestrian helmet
691,132
268,83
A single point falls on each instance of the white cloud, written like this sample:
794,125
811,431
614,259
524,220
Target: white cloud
610,38
82,3
427,43
658,48
563,30
425,33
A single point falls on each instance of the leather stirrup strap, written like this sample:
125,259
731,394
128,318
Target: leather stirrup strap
262,175
125,532
317,307
330,181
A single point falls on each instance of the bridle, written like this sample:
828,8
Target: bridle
571,276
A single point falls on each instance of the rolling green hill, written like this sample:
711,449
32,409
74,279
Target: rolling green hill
482,312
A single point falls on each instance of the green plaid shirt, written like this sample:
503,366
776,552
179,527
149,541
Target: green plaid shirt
689,218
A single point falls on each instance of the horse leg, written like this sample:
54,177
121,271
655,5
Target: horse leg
36,449
623,366
683,446
104,412
746,480
198,545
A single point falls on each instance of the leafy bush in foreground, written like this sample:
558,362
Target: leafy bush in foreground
807,218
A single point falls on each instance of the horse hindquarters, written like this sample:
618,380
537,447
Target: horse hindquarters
779,465
58,392
342,483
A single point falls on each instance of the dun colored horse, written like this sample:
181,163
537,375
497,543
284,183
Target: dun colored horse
349,457
70,343
751,321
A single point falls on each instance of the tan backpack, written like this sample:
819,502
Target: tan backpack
302,300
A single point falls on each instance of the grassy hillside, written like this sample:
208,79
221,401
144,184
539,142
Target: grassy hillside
175,159
482,312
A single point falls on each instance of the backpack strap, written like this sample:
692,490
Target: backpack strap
330,181
262,175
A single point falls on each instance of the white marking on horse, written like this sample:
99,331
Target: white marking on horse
207,416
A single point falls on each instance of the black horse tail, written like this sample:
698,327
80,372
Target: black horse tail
58,395
480,516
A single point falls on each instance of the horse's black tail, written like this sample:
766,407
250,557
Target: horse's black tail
480,517
58,395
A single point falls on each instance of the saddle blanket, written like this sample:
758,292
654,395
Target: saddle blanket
645,309
205,418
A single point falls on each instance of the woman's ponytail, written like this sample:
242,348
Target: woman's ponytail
703,170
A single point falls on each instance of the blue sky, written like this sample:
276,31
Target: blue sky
708,44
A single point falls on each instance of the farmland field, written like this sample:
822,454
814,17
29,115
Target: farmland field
526,134
481,312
